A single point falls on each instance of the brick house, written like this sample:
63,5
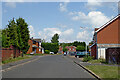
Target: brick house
35,46
60,49
71,49
106,37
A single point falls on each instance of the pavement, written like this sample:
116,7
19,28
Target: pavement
5,66
52,66
87,63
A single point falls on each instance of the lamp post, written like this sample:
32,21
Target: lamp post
86,34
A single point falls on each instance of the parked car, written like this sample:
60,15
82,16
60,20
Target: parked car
65,53
72,53
80,54
51,52
32,53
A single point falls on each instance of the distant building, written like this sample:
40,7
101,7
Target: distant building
105,38
71,49
60,49
35,46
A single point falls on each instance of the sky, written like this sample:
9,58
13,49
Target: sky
71,20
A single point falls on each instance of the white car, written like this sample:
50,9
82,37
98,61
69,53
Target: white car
51,52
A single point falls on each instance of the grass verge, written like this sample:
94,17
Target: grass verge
98,61
15,59
105,72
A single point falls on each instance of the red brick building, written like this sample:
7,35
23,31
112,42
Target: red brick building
106,37
71,48
35,46
60,49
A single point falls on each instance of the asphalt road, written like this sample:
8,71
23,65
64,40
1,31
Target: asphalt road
54,66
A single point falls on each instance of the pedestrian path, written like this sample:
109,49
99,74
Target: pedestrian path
5,66
86,63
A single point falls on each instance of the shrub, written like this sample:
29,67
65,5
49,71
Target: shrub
47,51
87,58
53,47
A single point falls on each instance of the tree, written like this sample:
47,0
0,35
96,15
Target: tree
5,38
23,34
53,47
80,48
55,38
65,49
12,30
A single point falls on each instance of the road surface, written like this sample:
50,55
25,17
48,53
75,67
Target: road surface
52,66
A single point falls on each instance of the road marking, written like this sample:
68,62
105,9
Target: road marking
7,69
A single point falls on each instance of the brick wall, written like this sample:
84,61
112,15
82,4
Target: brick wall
93,51
10,52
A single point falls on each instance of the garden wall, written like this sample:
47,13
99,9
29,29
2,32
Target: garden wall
10,52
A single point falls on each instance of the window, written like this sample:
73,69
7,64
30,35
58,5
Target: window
34,42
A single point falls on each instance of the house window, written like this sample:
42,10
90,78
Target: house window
34,42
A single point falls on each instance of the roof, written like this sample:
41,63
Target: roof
37,40
105,25
70,46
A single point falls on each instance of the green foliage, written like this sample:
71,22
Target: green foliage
47,51
105,72
15,59
76,44
5,38
65,49
23,34
55,38
98,61
12,29
16,34
80,48
53,47
87,58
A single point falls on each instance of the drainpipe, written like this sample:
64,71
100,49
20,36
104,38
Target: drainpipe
96,46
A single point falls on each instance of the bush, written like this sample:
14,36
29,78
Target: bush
87,58
47,51
53,47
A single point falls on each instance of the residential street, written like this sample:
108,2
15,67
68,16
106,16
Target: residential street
52,66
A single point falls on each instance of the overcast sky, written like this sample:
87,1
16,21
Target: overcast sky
71,20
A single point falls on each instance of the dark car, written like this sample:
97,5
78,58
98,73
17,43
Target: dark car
72,53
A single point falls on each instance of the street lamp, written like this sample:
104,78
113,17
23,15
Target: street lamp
85,41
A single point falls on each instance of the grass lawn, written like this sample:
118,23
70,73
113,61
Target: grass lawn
97,61
105,72
15,59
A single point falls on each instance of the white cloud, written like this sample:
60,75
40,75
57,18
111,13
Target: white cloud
68,32
85,36
31,29
63,7
95,18
93,4
10,4
47,34
52,31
